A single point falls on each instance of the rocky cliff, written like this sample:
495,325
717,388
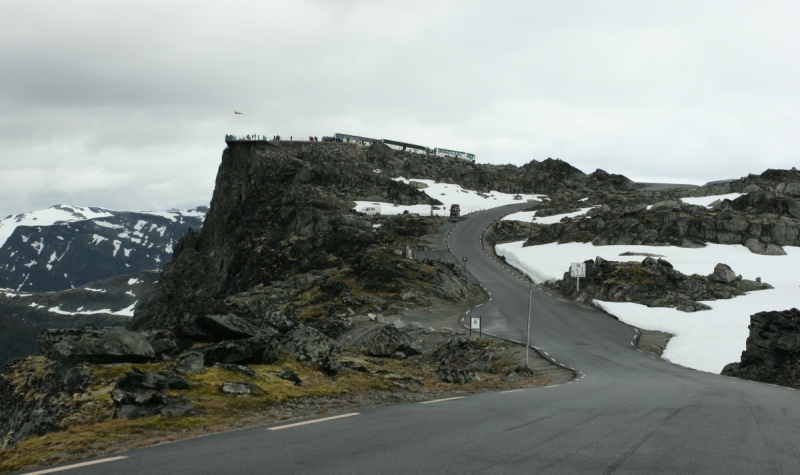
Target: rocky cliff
763,219
655,283
772,354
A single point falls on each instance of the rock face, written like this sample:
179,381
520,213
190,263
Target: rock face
772,354
102,345
38,396
763,220
654,283
282,238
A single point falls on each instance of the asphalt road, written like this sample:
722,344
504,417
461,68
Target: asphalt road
624,413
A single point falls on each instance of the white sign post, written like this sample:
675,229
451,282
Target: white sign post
475,324
577,270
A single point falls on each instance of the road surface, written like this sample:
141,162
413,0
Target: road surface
624,413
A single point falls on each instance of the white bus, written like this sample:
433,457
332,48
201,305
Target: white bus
443,152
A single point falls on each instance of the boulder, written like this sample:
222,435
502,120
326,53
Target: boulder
280,322
463,354
188,328
145,394
723,274
456,376
95,345
191,362
772,350
757,246
238,388
310,346
228,327
261,349
389,341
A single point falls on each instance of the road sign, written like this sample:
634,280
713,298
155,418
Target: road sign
465,258
475,323
577,269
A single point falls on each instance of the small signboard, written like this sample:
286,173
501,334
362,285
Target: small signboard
465,258
475,323
577,269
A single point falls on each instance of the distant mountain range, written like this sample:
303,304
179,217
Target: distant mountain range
108,302
65,247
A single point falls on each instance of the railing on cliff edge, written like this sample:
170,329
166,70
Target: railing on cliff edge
274,138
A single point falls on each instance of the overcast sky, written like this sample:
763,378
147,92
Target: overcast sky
125,104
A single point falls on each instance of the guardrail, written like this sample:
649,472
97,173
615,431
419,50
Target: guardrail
270,138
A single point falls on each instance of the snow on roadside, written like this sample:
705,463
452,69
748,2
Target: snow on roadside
705,340
527,216
468,200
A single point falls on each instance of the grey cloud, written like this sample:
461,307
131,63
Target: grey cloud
125,104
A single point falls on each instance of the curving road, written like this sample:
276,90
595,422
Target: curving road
624,413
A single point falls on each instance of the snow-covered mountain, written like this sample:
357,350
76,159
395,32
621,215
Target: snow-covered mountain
63,247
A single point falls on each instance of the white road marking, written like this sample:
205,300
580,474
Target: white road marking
442,400
77,465
478,305
296,424
467,312
515,390
553,386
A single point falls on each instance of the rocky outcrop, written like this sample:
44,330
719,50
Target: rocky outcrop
257,350
282,237
772,354
672,223
655,283
145,394
95,345
38,396
390,341
311,346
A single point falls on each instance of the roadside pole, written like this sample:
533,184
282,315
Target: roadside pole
528,332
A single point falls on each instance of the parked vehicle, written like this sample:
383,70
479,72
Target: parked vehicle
370,210
455,211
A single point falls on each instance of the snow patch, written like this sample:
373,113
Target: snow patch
528,216
106,224
97,239
133,281
59,214
707,200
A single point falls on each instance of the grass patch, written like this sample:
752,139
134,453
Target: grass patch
92,431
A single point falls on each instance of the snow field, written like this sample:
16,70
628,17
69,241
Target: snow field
530,216
705,340
49,216
469,201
